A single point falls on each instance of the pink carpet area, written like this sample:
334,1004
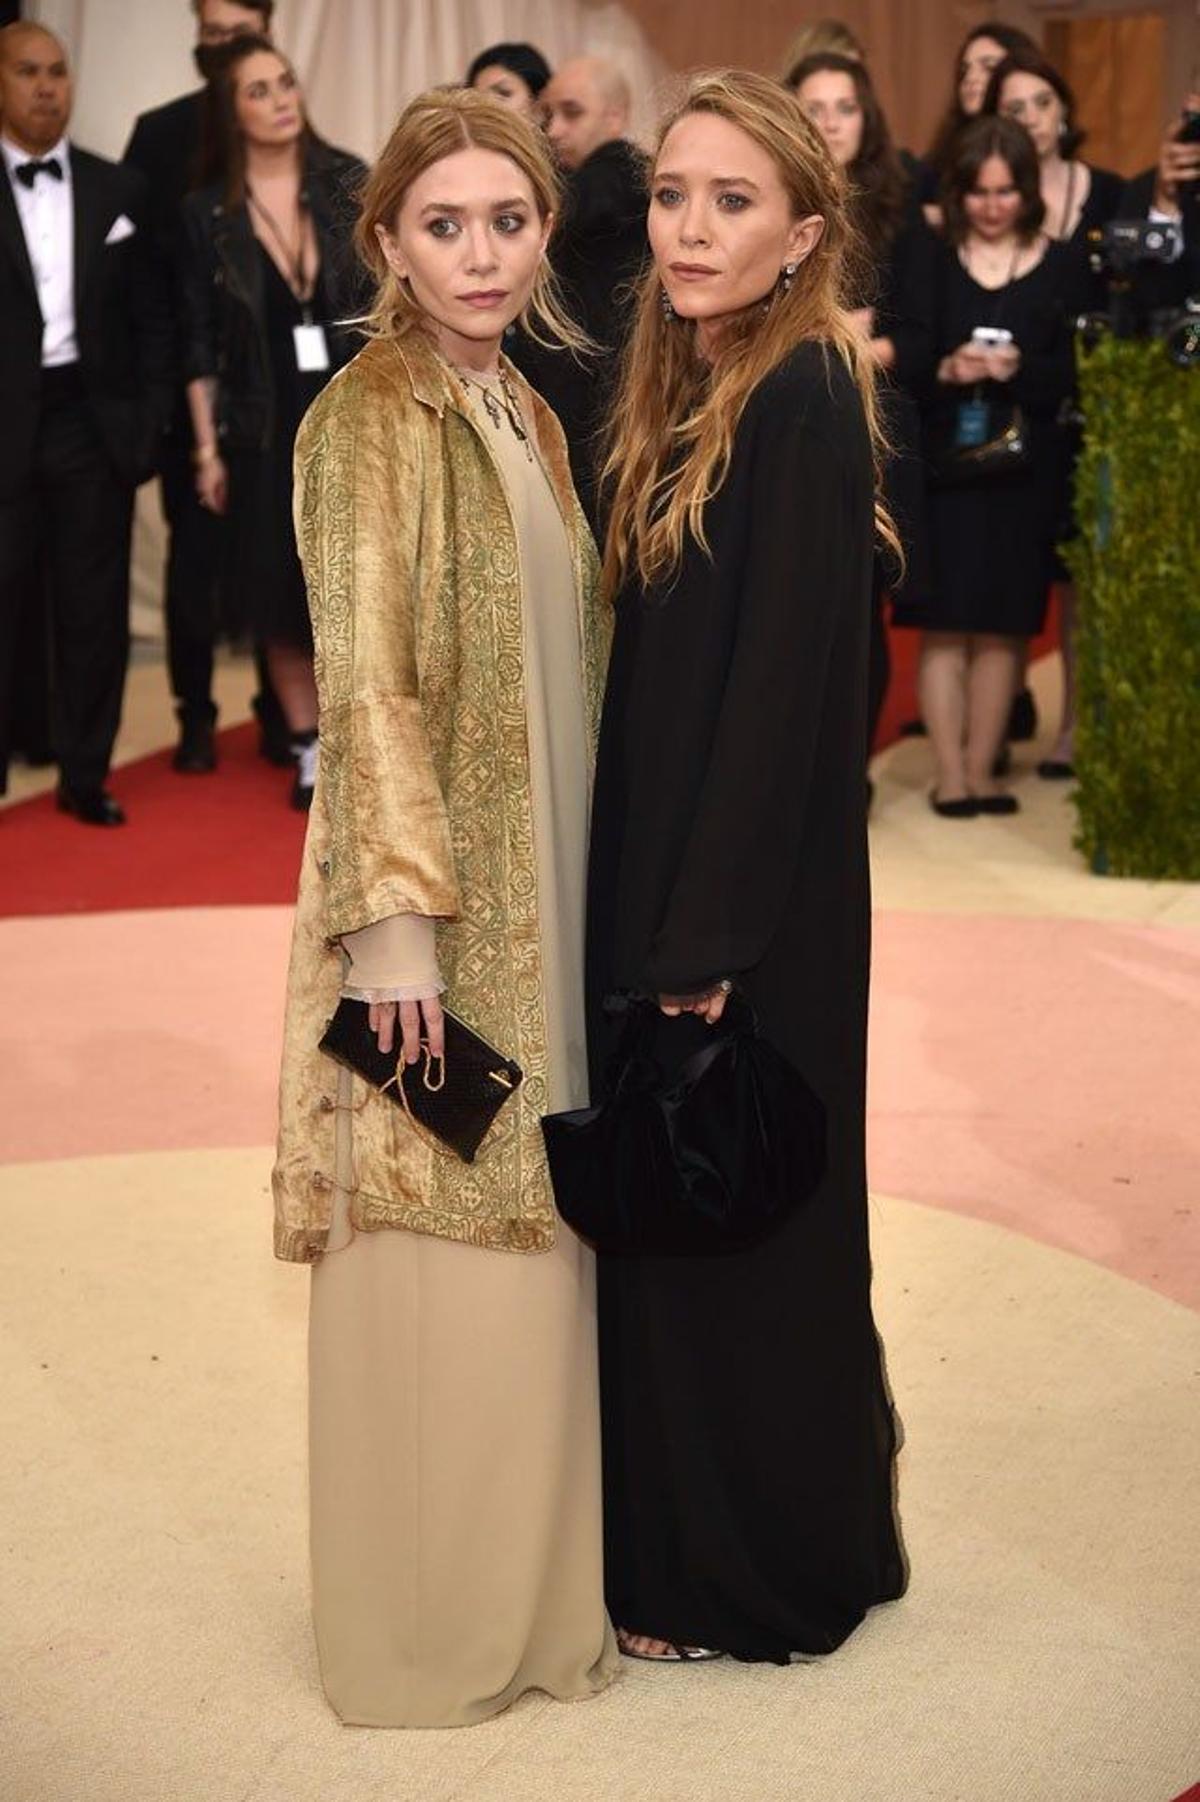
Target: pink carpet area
153,1031
1040,1074
1043,1074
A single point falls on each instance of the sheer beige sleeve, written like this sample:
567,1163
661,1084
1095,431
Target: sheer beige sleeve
393,960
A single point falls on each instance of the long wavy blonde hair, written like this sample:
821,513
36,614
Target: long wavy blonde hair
675,415
436,125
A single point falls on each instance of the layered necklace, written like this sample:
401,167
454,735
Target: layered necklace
500,402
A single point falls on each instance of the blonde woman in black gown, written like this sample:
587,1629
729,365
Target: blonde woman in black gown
748,1434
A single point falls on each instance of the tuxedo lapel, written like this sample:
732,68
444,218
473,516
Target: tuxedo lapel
12,235
92,220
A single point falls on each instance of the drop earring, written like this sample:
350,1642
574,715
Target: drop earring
668,311
788,276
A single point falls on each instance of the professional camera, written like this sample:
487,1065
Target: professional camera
1130,254
1124,245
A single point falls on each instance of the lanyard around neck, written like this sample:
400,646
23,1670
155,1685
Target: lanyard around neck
295,276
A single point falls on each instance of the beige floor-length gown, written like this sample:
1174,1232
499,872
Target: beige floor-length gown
454,1423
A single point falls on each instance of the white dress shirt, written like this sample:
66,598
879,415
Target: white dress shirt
47,212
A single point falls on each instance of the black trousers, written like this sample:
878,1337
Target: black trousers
192,602
32,733
71,522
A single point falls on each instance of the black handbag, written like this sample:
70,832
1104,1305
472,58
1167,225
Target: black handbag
1004,452
708,1139
455,1097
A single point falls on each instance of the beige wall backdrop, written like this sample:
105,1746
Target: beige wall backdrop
360,60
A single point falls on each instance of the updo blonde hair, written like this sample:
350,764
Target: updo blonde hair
435,125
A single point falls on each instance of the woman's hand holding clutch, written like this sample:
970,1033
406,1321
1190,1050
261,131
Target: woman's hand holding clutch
393,968
419,1020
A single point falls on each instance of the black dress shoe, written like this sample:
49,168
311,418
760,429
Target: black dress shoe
94,806
996,804
1056,769
1022,718
196,752
965,808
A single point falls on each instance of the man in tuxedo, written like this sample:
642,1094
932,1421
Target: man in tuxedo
85,362
165,146
598,250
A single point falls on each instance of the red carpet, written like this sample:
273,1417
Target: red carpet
227,840
192,841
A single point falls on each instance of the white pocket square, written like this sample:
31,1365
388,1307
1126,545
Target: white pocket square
119,230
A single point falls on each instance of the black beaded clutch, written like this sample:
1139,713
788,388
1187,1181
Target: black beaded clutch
455,1097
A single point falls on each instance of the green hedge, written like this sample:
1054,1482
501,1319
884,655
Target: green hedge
1136,563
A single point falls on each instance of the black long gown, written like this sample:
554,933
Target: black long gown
264,583
749,1439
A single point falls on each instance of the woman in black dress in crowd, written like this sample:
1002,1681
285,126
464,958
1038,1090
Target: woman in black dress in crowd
1079,198
749,1437
513,74
992,539
981,51
894,292
269,277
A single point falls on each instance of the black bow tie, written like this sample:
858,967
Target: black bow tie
29,172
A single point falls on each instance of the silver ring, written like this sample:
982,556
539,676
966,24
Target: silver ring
725,987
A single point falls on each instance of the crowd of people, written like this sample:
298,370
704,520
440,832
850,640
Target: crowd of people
219,310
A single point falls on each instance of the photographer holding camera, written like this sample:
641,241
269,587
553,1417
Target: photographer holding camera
1170,194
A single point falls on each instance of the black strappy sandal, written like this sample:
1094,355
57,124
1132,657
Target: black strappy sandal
673,1655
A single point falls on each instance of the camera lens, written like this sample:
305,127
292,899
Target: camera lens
1183,340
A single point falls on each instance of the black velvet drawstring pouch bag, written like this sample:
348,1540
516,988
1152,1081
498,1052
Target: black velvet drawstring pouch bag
707,1139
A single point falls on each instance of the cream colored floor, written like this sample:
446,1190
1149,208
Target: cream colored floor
155,1587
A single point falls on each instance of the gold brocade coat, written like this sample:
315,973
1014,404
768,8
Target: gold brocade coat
423,801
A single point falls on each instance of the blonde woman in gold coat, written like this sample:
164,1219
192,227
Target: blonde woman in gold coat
454,1441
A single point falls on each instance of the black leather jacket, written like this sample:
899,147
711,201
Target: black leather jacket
221,282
